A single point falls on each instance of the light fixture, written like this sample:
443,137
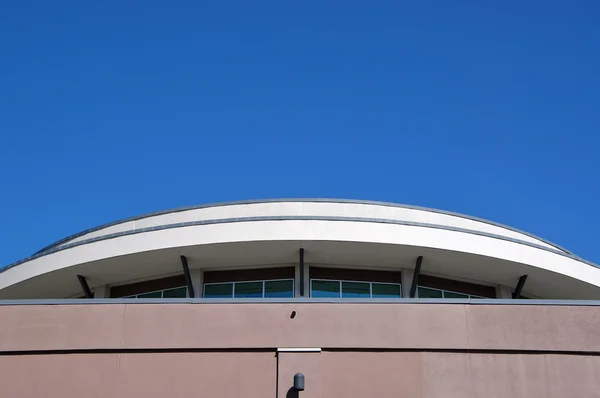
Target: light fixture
299,382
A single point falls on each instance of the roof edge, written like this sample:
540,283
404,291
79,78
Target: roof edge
292,218
305,200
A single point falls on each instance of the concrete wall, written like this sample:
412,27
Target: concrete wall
254,349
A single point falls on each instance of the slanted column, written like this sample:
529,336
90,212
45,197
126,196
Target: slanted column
416,274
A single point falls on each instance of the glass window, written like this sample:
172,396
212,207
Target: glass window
279,289
325,289
351,289
427,292
452,295
248,290
424,292
385,290
150,295
219,290
178,292
356,289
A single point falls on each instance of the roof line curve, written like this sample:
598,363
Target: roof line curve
305,200
291,218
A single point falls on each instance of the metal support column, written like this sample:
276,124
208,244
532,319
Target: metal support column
301,272
517,293
415,281
85,287
188,278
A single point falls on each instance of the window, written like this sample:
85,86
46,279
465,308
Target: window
325,289
436,287
322,288
281,288
178,292
428,292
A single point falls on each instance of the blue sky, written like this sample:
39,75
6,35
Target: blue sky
116,108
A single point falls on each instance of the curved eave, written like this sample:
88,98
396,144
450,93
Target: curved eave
334,240
55,249
288,200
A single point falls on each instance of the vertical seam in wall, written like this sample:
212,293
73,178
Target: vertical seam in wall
546,359
466,310
119,355
122,326
117,376
469,358
422,376
276,374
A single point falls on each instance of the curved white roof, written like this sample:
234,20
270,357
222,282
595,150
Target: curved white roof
336,232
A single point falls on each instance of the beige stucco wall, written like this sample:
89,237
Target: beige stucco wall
353,350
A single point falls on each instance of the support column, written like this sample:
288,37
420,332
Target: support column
407,278
417,273
503,292
517,293
85,287
297,281
186,274
102,291
197,275
302,281
306,280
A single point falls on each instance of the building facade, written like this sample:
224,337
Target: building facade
361,298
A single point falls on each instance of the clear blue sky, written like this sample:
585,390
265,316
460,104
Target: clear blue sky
116,108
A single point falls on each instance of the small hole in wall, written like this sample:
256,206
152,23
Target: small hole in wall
293,314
